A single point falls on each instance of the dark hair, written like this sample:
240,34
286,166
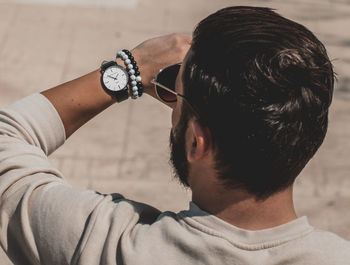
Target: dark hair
263,85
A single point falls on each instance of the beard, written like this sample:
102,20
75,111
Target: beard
178,156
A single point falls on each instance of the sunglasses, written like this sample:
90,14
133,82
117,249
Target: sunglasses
164,84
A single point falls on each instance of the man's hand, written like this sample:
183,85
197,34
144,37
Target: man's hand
157,53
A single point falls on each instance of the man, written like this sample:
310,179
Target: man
250,106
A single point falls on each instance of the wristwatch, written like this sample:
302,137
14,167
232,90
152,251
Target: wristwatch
114,80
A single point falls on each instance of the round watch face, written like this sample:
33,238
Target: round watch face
115,78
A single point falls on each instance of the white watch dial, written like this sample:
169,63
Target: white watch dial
115,78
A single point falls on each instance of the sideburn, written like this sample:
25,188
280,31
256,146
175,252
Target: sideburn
178,157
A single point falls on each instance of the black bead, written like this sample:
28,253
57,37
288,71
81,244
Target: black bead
126,52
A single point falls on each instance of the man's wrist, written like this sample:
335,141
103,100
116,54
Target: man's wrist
120,62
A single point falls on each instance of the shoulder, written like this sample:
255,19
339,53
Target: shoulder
327,248
330,238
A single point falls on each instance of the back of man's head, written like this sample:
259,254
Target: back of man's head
263,85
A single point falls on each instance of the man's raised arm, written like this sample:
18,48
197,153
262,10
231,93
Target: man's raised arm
44,220
79,100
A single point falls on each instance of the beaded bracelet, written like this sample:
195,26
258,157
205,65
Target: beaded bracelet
137,73
134,74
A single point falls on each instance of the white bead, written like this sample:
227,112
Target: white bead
134,88
127,61
132,72
138,78
124,56
120,53
130,66
133,78
135,93
133,83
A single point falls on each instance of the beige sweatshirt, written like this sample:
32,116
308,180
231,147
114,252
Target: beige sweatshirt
44,220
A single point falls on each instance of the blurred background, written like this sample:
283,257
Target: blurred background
125,149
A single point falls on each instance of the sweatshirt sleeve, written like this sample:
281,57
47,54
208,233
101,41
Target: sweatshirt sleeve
44,220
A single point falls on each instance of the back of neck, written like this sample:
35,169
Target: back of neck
243,210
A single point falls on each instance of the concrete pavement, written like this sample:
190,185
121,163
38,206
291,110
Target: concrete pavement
125,149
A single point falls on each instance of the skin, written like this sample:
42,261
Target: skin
80,100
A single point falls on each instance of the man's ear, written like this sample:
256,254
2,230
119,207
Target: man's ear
200,141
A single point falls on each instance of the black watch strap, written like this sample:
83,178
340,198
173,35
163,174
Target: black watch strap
105,65
122,95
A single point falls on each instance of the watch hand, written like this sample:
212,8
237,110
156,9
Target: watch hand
112,77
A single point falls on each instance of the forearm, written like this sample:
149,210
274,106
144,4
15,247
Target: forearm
79,100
